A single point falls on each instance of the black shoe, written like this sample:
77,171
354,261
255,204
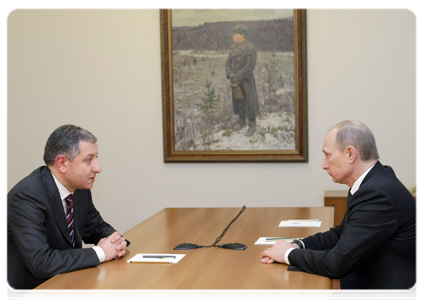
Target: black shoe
250,132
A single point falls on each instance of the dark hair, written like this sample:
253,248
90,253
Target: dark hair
65,141
356,134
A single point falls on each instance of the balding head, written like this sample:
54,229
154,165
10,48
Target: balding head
356,134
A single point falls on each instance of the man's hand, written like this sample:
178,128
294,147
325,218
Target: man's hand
113,246
121,245
276,252
233,78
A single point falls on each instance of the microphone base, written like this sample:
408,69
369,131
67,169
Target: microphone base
187,246
234,246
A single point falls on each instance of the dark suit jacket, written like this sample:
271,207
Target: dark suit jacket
375,245
39,244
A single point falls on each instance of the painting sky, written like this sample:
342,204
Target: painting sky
191,17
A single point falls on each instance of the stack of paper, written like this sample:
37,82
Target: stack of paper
272,240
301,223
156,258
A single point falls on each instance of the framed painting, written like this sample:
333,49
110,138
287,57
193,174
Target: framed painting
234,85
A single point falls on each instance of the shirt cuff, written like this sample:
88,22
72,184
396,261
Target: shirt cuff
100,253
286,255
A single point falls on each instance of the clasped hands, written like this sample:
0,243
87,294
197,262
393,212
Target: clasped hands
233,78
114,246
276,252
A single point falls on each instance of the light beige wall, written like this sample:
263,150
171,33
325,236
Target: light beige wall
100,69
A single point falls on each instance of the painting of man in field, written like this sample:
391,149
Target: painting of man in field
233,80
240,66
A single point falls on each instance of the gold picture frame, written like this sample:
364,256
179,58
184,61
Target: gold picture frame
199,116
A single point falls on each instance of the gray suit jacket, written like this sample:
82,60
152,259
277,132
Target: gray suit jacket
38,241
374,247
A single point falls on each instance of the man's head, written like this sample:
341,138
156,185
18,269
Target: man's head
71,154
349,149
239,33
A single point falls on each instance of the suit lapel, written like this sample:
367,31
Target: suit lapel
76,206
377,168
55,202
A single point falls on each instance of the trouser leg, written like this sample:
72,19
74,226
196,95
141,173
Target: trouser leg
252,128
241,114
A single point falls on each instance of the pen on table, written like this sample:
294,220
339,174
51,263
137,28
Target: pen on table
151,262
158,256
269,239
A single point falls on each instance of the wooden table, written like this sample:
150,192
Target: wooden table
205,268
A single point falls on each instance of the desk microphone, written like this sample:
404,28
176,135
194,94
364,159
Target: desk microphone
233,246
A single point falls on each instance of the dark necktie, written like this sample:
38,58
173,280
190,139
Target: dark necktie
69,217
346,215
349,196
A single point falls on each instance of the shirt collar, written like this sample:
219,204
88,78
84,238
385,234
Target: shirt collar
62,190
358,182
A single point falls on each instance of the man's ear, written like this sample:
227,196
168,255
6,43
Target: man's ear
352,154
61,163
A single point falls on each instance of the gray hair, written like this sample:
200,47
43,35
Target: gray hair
356,134
65,141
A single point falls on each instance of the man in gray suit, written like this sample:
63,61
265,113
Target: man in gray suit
50,212
240,66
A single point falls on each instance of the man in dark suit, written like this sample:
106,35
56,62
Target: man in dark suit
374,247
50,213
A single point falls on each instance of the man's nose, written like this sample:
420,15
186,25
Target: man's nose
96,168
325,164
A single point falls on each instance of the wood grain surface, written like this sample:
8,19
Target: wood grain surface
204,268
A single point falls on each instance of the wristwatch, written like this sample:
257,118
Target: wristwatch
299,243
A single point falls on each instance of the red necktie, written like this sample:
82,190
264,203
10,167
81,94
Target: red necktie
69,217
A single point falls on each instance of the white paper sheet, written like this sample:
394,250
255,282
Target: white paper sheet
167,258
273,240
301,223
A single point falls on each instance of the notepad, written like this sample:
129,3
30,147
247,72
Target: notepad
301,223
273,240
156,258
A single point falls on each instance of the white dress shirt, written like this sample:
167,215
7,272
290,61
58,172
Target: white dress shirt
354,189
63,194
